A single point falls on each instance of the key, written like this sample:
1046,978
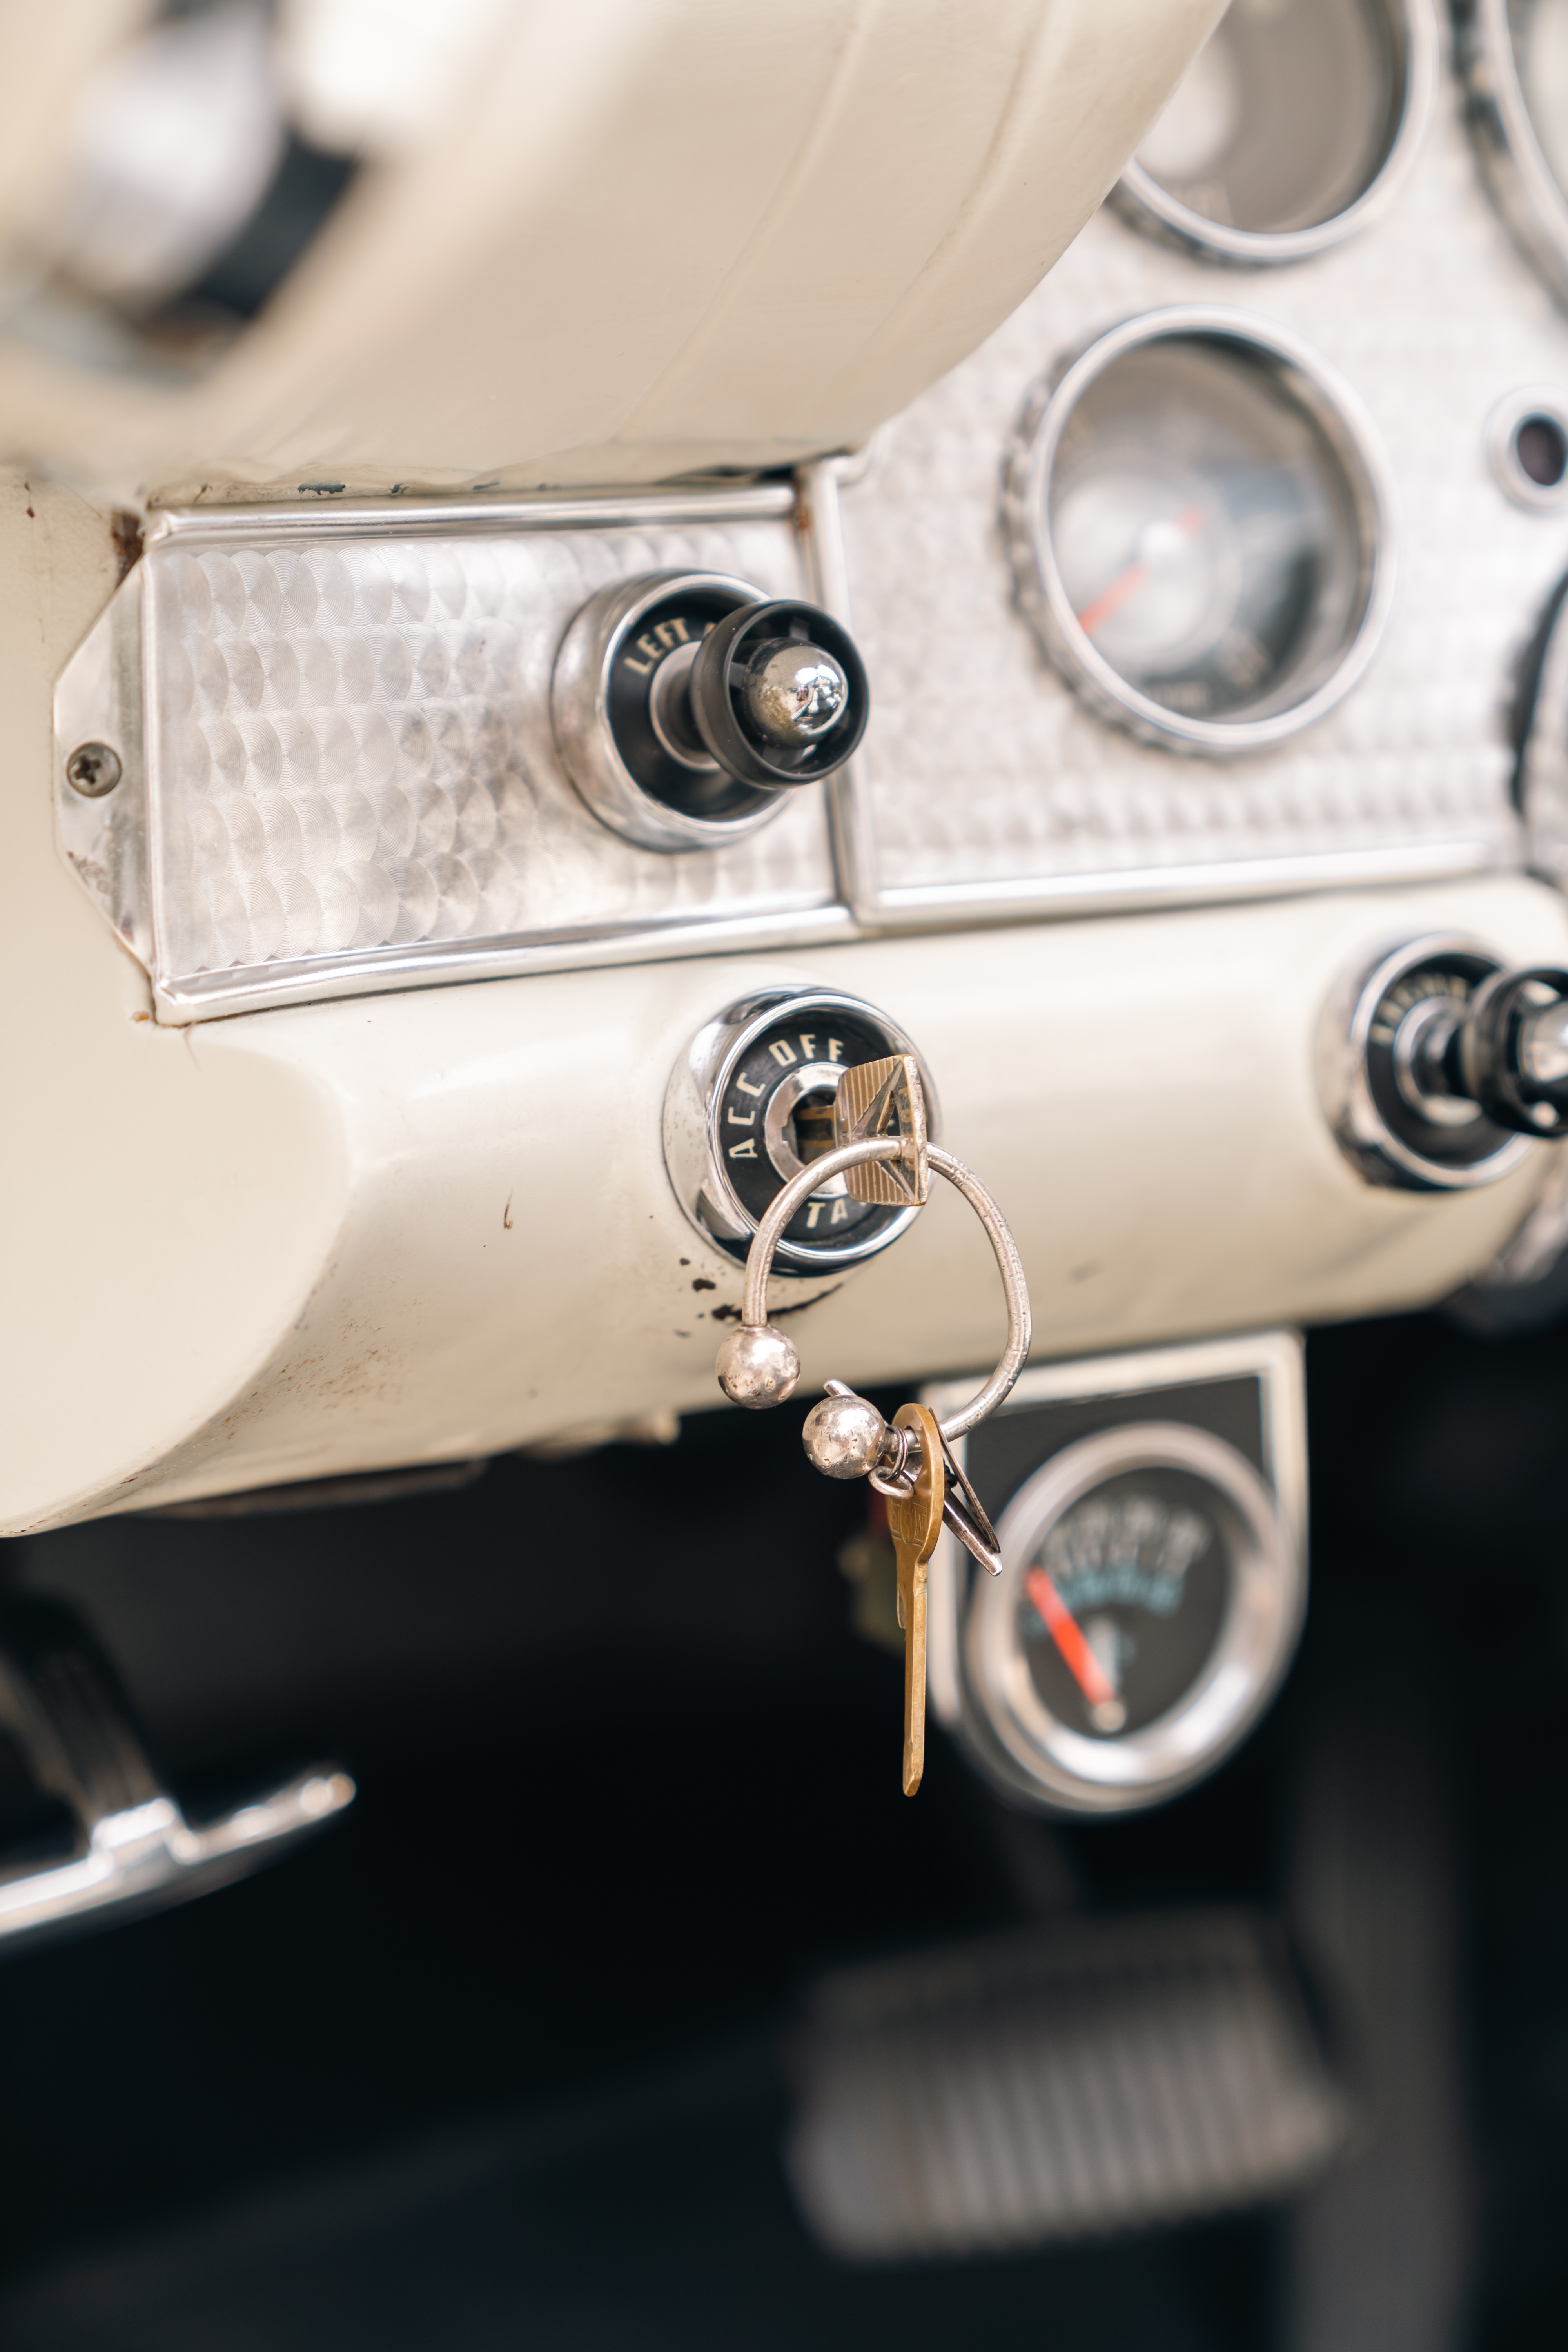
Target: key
914,1522
880,1133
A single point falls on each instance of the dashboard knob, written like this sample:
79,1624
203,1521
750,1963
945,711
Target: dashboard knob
1440,1061
780,695
1506,1051
687,706
793,693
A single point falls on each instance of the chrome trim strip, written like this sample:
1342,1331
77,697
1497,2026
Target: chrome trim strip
380,971
1102,893
544,511
820,522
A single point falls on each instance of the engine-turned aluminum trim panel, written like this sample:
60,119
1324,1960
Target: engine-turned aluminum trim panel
348,778
986,790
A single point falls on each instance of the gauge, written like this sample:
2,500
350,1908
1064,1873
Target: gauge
1148,1604
1199,529
1292,126
1514,57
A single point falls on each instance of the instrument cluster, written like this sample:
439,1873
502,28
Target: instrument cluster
1228,566
1283,437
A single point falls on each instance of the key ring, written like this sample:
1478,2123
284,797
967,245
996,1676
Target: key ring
758,1365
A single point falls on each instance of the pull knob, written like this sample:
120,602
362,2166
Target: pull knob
779,695
688,705
1436,1062
1506,1051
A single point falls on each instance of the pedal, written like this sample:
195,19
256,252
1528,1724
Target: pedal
132,1848
1060,2082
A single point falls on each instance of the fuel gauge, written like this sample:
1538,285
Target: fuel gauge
1147,1605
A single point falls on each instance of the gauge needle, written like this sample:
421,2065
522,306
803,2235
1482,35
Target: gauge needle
1065,1632
1128,582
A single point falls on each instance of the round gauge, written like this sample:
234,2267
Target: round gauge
1514,57
1292,126
1149,1601
1199,529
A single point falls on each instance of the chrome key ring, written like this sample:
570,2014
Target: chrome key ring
772,1378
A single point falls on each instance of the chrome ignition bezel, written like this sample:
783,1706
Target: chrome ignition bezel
1353,441
1363,1133
1522,184
579,714
1146,205
693,1151
1010,1724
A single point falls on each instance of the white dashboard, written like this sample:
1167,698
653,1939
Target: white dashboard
353,1015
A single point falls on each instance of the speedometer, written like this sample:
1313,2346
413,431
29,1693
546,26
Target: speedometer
1149,1602
1199,531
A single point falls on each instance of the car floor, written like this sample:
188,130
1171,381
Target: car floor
504,2056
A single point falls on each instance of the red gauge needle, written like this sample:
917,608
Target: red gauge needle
1063,1626
1127,583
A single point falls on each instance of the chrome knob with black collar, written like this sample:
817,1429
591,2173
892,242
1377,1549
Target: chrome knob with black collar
688,707
1441,1061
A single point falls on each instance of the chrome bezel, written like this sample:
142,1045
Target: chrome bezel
693,1151
579,710
1353,441
1522,184
1258,1633
1146,205
1501,439
1363,1133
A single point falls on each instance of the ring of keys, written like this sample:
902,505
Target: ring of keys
882,1150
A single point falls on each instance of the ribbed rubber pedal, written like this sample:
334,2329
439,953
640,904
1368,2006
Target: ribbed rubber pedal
1096,2075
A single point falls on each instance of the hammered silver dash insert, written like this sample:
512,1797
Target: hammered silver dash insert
338,772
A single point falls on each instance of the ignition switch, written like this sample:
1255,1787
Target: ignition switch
751,1106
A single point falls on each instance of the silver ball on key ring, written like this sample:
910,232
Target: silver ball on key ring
842,1435
758,1366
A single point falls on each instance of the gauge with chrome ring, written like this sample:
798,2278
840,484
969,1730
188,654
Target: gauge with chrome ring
1148,1603
1293,128
1513,55
1198,516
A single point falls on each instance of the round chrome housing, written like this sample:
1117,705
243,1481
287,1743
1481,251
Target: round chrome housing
1527,448
1166,371
1295,126
1016,1735
751,1105
1369,1066
676,796
1514,58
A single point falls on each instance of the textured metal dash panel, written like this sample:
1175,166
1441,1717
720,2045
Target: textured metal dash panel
985,773
352,748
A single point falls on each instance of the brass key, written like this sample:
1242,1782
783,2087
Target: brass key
914,1522
880,1132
